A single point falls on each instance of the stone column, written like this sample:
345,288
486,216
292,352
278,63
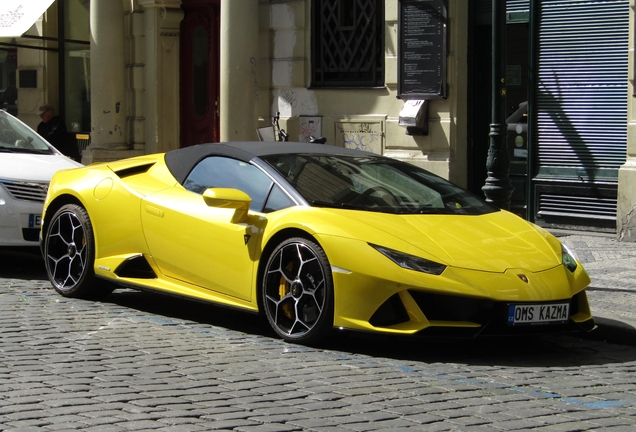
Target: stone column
108,91
626,207
239,63
162,21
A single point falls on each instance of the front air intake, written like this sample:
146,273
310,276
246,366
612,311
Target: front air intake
390,313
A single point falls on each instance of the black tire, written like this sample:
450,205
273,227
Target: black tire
297,291
69,254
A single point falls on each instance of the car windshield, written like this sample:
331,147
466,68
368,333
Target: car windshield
374,184
16,137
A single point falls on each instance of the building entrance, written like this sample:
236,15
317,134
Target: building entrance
199,74
517,35
567,120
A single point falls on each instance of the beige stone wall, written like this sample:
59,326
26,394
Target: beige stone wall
626,208
150,48
368,117
240,51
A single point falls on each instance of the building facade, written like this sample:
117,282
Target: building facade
145,76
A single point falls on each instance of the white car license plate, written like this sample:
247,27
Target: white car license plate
549,313
35,220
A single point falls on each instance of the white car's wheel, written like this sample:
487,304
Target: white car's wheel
298,291
69,254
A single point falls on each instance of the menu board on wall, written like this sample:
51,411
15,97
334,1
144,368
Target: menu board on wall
422,30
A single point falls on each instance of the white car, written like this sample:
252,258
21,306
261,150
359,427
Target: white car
27,163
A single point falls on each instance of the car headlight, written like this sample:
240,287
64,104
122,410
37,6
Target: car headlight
568,258
411,262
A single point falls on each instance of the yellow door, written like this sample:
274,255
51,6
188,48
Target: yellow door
198,244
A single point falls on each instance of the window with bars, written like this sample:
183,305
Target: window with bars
347,43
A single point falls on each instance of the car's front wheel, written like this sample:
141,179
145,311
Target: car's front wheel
298,291
69,254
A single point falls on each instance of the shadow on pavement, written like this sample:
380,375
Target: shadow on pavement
613,331
22,263
572,350
192,310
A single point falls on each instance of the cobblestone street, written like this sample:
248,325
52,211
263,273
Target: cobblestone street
142,362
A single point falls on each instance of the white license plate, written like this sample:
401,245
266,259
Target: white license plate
552,313
35,220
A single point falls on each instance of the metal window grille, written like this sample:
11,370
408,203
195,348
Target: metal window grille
348,43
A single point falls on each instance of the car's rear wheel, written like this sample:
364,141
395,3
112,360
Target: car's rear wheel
298,291
69,254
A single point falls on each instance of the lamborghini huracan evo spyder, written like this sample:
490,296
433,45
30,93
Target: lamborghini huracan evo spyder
315,237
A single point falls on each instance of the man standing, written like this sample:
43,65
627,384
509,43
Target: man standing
53,129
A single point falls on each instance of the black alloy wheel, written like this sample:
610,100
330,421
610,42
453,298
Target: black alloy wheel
69,254
298,291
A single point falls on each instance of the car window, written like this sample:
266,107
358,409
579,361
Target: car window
374,183
223,172
17,137
277,200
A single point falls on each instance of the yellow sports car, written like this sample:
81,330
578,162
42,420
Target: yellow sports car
314,237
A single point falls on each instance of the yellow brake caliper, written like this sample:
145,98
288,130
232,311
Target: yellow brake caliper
283,290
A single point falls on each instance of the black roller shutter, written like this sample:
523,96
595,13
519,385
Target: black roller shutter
580,110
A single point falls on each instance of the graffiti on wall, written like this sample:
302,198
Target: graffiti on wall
365,136
291,102
309,126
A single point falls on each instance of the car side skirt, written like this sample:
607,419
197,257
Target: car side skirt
106,268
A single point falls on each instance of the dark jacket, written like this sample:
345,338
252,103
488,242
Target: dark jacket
54,131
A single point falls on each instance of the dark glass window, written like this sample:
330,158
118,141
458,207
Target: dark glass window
374,184
222,172
74,28
277,200
347,43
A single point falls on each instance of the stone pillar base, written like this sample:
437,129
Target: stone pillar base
90,156
626,208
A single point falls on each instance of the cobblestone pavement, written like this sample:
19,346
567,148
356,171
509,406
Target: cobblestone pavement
142,362
612,293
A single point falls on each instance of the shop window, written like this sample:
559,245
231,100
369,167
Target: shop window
74,32
347,43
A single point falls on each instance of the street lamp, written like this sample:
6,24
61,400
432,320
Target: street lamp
498,188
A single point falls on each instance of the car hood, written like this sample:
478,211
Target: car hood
492,242
33,167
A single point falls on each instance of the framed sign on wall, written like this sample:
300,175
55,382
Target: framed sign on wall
422,33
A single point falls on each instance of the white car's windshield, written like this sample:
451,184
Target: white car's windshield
17,137
374,184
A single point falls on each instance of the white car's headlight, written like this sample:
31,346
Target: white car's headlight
410,262
568,258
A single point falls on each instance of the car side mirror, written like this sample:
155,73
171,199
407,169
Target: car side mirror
229,198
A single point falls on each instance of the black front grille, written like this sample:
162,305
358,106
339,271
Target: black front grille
491,315
26,191
439,307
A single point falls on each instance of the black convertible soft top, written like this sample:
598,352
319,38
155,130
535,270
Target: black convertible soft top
180,162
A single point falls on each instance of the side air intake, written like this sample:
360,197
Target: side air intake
136,268
140,169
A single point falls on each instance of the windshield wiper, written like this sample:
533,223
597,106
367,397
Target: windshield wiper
23,150
327,204
377,209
